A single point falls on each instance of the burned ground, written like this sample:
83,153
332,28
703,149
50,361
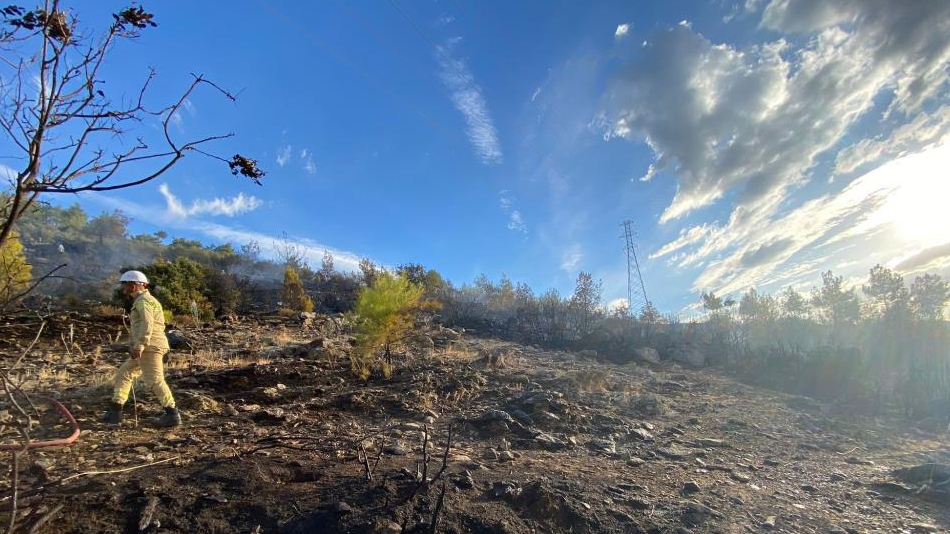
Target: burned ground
279,437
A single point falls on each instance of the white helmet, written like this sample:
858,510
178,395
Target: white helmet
133,276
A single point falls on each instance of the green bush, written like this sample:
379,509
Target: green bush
177,285
385,311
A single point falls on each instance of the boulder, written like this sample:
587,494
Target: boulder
689,355
647,354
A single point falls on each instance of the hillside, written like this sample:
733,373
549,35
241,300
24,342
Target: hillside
279,437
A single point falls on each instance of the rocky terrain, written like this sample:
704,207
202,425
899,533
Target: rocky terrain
469,435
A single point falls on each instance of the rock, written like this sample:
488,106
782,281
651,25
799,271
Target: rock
464,480
521,416
342,507
506,456
809,488
641,434
229,410
387,527
603,445
924,527
933,474
647,354
271,393
769,523
504,490
638,504
835,529
837,477
688,354
271,414
691,487
588,353
695,514
854,460
549,442
395,449
636,462
649,404
672,452
739,477
710,443
177,340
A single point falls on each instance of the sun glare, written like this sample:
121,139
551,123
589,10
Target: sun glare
918,207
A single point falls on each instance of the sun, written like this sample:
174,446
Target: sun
918,205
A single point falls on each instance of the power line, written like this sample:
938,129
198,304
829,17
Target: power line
449,61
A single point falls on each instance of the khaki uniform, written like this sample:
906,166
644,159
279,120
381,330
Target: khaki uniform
147,335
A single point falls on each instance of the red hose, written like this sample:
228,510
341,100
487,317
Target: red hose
53,442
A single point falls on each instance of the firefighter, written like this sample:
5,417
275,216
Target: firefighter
147,347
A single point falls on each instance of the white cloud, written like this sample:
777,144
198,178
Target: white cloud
217,206
571,259
651,172
923,130
515,220
313,251
470,102
755,119
534,95
283,155
622,30
516,223
902,202
308,165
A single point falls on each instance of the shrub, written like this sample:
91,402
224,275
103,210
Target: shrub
181,287
386,311
15,272
292,293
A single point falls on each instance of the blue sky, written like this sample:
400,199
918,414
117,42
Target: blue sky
753,144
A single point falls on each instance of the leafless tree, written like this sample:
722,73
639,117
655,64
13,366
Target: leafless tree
69,134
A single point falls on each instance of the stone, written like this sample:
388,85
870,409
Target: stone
688,354
710,443
387,527
636,462
641,434
924,527
691,487
549,442
769,523
739,477
603,445
342,507
271,393
395,449
672,452
647,354
696,514
506,456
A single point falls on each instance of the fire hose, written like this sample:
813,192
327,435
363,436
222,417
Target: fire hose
53,442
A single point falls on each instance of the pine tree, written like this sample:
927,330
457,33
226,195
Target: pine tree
386,313
292,293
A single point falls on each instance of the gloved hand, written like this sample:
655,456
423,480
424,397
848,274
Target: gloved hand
136,354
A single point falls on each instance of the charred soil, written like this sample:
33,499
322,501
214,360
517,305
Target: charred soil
468,435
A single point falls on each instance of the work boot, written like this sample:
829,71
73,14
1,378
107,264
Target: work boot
113,415
169,418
